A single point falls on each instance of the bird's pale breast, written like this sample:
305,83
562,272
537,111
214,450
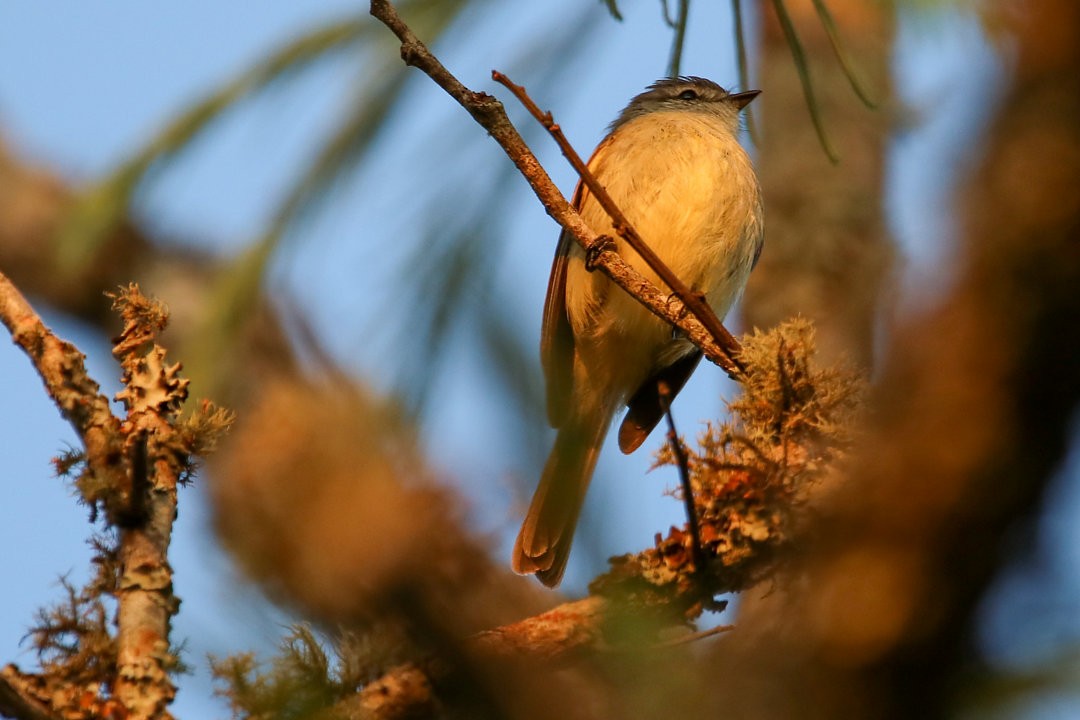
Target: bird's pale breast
689,189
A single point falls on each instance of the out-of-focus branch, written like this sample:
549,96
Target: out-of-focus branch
408,690
489,113
972,418
15,703
34,203
827,252
552,635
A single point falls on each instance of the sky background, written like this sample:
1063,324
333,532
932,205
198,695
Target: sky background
82,85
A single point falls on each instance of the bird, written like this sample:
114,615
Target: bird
672,162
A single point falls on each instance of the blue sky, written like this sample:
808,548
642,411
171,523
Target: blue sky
83,84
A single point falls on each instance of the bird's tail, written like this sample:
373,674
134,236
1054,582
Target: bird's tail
543,545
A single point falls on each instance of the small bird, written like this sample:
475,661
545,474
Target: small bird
672,163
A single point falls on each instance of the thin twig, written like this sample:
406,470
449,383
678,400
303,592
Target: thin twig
744,66
684,639
752,447
683,463
679,39
613,9
666,14
694,637
693,300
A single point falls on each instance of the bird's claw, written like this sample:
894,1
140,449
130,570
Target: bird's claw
602,244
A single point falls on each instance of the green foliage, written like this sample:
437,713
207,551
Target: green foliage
302,681
104,205
827,22
802,66
613,8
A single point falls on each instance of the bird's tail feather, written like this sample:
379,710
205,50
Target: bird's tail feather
543,545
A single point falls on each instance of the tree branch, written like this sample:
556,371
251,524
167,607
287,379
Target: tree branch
153,394
16,703
489,113
62,369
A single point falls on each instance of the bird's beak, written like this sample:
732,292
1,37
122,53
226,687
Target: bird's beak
743,99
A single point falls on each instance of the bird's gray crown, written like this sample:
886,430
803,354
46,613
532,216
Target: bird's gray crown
686,92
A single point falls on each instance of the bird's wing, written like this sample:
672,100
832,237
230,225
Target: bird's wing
556,336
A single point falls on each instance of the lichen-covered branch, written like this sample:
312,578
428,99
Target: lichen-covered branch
129,470
153,394
752,477
16,702
62,368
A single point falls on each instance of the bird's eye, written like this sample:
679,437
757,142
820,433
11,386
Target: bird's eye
688,95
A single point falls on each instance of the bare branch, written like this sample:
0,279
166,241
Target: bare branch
683,462
489,113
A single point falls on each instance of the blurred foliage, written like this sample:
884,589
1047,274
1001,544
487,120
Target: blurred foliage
104,204
411,587
613,8
1009,693
848,65
301,680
